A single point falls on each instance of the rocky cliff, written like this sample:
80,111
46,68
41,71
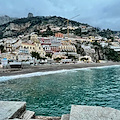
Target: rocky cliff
5,19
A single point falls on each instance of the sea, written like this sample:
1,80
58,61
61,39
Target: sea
52,93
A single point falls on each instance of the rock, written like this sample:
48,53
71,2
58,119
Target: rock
10,110
79,112
65,117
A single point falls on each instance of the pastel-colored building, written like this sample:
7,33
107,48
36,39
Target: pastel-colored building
9,56
12,45
36,47
55,45
59,35
67,47
30,47
58,55
46,43
8,47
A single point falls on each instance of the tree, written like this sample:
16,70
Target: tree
57,59
35,55
72,57
77,32
79,49
84,59
48,28
48,32
111,54
49,55
1,34
98,51
2,48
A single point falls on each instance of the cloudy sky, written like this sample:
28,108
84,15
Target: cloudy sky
98,13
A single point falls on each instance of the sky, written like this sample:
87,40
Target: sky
98,13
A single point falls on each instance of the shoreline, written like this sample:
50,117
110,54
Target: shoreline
55,67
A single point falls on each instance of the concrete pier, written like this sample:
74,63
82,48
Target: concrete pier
79,112
11,109
17,111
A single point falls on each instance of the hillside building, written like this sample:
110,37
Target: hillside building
36,47
59,35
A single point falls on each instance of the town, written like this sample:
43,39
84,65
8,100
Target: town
51,46
59,60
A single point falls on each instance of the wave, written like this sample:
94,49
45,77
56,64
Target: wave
6,78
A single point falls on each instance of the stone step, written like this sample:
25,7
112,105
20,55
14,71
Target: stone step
79,112
11,109
47,118
27,115
65,117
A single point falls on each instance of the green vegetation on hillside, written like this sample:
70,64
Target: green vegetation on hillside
109,53
36,55
2,48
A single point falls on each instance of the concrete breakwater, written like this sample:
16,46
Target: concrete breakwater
10,110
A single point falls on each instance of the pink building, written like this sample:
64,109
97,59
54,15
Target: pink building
46,43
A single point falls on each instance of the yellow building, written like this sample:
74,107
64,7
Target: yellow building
69,48
39,49
66,46
12,46
36,47
8,47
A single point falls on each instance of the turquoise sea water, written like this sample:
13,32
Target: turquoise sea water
53,93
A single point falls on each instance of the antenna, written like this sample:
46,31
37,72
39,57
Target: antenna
68,24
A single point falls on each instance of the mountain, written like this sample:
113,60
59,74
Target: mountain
31,24
15,27
5,19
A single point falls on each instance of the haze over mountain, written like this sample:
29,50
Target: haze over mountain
30,24
102,13
39,24
5,19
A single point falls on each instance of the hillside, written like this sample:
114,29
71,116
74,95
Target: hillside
40,23
5,19
31,24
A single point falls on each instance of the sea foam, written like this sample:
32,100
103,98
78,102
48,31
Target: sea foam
6,78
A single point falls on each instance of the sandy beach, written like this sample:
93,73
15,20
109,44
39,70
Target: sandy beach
44,68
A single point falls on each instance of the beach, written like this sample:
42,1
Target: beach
52,67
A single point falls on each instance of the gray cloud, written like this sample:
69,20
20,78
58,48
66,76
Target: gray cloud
102,13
